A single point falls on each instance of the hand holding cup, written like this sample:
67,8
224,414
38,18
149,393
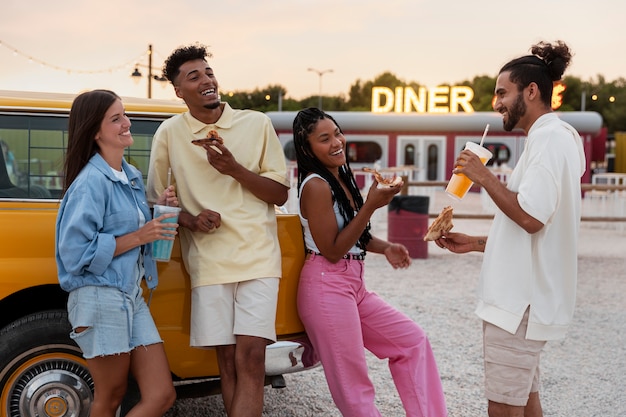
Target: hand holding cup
459,183
162,248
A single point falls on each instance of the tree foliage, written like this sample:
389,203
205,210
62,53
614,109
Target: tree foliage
483,87
599,95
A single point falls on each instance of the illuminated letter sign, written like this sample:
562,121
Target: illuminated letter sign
557,95
442,99
377,92
461,95
418,101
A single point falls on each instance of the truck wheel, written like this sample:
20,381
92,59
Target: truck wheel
42,371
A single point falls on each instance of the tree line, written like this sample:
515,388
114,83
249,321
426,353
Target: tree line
599,95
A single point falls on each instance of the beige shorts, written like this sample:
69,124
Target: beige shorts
220,312
511,364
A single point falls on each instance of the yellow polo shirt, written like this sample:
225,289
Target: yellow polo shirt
245,246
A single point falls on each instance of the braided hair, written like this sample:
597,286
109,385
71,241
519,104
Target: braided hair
546,65
303,124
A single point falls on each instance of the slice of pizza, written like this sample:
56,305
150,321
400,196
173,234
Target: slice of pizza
443,223
382,181
211,139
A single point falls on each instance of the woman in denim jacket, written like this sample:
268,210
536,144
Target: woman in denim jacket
104,241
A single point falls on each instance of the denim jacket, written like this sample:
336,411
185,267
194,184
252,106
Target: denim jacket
95,210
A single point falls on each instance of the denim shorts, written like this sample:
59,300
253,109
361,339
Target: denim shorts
115,322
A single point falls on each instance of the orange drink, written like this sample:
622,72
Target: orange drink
459,184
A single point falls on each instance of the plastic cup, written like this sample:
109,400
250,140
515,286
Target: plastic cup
162,249
459,184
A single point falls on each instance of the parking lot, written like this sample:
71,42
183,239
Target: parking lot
583,375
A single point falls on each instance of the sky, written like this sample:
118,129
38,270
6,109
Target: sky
74,45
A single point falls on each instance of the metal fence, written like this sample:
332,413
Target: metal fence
601,202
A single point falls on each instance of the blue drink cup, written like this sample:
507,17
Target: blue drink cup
162,249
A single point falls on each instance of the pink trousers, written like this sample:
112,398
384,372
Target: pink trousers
342,318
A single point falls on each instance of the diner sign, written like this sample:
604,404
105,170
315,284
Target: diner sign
441,99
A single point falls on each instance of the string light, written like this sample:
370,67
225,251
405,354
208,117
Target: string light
69,71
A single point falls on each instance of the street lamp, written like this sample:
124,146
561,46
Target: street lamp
320,74
136,74
594,97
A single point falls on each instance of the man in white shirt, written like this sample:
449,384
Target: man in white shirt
527,287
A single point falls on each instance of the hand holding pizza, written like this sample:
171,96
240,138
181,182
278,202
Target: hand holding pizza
218,155
380,196
382,181
461,243
441,225
212,138
221,159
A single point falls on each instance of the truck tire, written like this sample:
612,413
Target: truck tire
42,371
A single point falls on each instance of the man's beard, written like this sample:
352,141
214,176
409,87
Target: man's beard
212,106
516,112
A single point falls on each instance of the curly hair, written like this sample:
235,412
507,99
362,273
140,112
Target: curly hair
303,124
171,66
546,65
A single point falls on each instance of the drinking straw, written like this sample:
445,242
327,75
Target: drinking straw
169,179
484,134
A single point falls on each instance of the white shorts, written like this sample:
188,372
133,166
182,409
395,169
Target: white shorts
221,312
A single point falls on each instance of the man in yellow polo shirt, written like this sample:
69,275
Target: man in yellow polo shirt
229,241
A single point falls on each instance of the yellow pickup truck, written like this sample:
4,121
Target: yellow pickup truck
42,372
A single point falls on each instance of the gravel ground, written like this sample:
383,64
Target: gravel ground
583,375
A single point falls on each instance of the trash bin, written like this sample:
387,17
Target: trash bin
407,223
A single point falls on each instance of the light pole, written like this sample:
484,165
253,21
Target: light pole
320,74
138,74
583,100
594,97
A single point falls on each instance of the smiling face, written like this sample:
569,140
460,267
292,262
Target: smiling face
114,133
328,144
197,86
510,103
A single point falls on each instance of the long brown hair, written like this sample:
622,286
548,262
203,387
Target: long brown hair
86,115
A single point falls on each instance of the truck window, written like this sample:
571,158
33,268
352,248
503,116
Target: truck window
138,154
34,155
33,148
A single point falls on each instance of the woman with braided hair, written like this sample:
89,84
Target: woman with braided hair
341,317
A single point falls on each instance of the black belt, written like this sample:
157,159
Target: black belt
353,256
